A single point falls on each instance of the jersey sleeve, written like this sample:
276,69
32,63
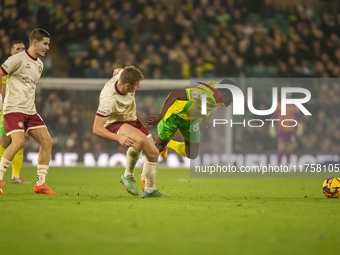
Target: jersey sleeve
106,106
11,65
188,94
193,93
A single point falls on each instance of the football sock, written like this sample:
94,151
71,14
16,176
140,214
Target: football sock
41,171
4,164
132,156
179,147
2,149
150,172
17,162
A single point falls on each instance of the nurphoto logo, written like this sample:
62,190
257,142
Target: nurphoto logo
239,104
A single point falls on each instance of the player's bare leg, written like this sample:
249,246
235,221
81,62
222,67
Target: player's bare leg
162,147
147,145
45,141
18,140
16,162
132,156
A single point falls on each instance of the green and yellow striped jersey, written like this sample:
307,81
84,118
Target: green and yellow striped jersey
190,109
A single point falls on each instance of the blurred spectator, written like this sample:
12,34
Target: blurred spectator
43,16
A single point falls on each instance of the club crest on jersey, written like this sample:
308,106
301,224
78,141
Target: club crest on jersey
20,124
28,65
195,94
40,69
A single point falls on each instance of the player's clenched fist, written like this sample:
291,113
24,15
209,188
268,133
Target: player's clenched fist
125,140
116,71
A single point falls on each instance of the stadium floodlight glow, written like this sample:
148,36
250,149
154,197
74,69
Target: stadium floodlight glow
238,100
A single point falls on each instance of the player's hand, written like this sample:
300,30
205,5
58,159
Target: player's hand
154,119
116,71
125,140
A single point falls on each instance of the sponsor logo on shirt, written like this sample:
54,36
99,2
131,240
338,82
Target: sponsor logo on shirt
102,113
40,69
29,80
196,94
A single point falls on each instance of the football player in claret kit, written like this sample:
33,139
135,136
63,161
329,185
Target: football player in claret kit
116,120
24,70
286,135
182,110
16,47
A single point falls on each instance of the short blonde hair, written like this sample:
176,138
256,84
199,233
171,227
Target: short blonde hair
131,75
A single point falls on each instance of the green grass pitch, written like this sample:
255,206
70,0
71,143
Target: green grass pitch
93,214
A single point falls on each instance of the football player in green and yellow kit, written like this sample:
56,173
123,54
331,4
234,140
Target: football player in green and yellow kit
182,110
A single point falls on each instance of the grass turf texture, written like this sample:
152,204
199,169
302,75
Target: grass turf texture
93,214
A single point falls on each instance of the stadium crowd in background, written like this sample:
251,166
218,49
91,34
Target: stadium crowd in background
194,38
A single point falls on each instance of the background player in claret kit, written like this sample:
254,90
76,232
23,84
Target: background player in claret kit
24,70
16,47
116,120
286,136
182,110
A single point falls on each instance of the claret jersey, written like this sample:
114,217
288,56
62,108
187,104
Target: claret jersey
23,71
115,105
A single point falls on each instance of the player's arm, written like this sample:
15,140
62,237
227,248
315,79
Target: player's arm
10,66
100,130
3,87
172,97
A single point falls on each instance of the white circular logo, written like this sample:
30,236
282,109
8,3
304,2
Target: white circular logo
20,124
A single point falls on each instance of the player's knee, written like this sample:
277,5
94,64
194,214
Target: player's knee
152,153
140,141
47,143
161,145
18,143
